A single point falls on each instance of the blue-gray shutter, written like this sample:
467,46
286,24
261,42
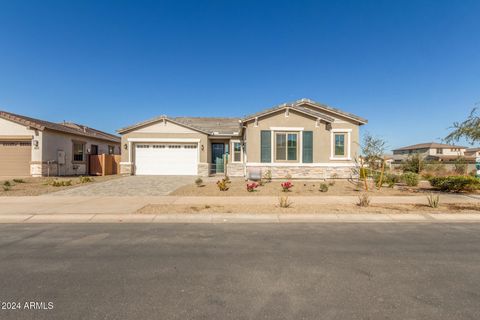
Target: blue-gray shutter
307,152
265,146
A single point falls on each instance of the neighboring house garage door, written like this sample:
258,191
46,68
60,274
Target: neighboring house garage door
15,158
166,159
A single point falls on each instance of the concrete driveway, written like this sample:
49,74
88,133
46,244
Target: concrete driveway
130,186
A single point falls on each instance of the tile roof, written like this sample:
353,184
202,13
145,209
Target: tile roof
212,125
430,145
299,103
67,127
232,126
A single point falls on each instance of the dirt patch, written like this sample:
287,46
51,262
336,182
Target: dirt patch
41,185
319,209
300,188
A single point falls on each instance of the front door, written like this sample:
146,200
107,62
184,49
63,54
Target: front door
94,149
218,150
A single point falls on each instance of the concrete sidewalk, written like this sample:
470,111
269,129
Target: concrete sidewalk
239,218
129,205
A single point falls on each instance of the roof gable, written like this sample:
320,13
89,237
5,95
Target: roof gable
315,111
211,126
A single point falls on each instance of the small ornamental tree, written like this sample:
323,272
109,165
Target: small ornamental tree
468,129
373,149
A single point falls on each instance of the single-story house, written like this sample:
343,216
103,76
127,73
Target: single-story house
33,147
430,151
303,139
472,152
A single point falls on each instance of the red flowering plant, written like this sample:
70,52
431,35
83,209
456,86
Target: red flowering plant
252,186
286,186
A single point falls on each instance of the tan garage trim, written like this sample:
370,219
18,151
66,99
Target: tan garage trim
15,138
15,158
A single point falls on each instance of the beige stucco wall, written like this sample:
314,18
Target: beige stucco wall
45,145
9,128
322,138
53,141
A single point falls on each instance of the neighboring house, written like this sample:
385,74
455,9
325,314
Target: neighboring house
35,147
430,151
472,152
303,139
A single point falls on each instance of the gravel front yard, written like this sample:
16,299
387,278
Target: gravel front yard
41,185
299,208
237,187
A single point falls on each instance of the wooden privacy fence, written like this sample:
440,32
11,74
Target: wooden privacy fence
104,164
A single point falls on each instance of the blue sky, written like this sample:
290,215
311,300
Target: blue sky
410,67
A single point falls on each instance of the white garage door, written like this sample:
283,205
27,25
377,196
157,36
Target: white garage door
166,159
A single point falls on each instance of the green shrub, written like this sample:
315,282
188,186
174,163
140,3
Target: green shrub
388,178
323,187
199,182
411,179
455,183
85,179
7,184
61,183
6,188
18,180
223,184
413,163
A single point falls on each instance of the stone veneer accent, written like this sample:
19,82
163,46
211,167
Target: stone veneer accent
126,168
39,169
235,170
306,172
203,169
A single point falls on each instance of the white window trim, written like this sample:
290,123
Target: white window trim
287,129
299,147
348,132
233,151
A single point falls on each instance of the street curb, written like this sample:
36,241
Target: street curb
219,218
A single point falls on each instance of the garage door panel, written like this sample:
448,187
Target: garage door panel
15,158
157,159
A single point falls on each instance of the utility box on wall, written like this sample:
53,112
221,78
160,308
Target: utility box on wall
61,157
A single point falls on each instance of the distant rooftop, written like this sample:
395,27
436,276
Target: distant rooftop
430,145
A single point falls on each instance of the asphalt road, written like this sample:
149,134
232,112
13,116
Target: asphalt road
232,271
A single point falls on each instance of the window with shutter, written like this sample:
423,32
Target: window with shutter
265,146
307,140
